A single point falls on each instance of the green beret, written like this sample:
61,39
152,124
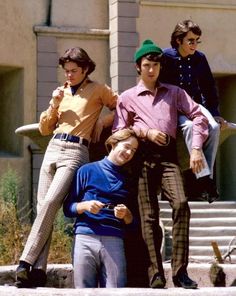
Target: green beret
148,46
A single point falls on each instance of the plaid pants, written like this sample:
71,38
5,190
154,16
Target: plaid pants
167,177
57,171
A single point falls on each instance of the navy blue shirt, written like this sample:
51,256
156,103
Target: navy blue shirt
193,74
104,181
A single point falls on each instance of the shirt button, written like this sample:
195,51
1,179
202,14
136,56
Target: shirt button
180,66
189,67
181,83
188,59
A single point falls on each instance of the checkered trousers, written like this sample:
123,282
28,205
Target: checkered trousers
167,177
57,171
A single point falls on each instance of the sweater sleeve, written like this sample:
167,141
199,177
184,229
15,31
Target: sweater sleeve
48,121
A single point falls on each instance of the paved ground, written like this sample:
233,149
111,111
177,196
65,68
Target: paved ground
12,291
60,277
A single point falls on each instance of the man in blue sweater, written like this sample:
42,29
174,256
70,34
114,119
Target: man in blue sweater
98,200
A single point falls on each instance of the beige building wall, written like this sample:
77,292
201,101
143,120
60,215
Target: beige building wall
35,32
18,84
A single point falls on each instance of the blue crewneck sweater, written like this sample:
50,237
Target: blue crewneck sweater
104,181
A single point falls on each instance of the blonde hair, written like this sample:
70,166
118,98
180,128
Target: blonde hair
118,136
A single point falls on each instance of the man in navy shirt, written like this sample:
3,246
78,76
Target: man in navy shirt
186,67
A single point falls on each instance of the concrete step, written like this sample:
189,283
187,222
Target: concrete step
208,231
209,291
206,241
200,250
203,205
60,276
210,259
209,222
206,222
202,259
201,246
202,214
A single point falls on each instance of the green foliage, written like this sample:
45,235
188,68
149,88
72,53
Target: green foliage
60,249
14,233
10,187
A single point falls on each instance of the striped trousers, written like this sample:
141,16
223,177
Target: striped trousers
167,177
57,171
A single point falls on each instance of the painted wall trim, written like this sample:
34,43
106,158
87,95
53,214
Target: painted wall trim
71,32
187,5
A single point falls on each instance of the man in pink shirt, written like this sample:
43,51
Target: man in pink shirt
151,108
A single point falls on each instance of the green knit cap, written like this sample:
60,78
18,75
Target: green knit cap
148,46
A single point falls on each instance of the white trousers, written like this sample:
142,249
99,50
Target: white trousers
210,146
57,171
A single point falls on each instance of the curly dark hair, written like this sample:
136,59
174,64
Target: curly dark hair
79,56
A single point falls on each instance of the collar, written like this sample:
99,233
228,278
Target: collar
141,88
74,88
175,53
109,164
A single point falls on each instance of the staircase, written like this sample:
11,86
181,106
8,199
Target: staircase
209,222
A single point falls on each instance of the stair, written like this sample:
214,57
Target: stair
209,222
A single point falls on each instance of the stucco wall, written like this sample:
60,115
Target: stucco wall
80,13
18,51
18,43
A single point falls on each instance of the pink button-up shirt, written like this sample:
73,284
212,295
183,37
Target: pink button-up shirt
140,108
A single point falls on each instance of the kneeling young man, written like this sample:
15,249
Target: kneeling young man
98,200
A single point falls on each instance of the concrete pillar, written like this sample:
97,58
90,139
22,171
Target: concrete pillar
47,63
123,43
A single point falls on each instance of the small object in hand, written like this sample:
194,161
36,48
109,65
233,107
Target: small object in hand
109,206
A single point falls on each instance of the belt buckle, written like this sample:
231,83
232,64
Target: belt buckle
64,137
